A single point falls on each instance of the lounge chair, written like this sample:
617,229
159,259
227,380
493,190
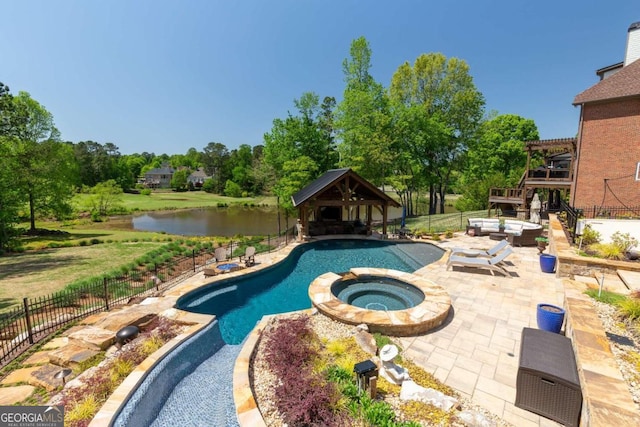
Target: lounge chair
221,254
493,263
249,256
491,252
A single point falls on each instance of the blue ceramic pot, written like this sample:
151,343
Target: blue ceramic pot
548,263
550,317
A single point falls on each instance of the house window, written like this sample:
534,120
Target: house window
638,171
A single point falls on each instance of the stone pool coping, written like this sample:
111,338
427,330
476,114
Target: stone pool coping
427,315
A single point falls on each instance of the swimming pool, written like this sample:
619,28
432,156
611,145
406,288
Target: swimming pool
241,302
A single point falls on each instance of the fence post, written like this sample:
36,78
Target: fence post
27,317
193,257
106,294
269,242
461,224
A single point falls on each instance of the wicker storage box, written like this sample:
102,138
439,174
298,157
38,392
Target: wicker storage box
547,381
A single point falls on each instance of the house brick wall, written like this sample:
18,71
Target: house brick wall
609,149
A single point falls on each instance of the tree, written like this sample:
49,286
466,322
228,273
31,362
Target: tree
362,119
452,105
47,172
214,158
105,196
500,148
296,174
179,179
309,133
10,197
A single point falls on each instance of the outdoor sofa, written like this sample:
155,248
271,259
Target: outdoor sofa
519,233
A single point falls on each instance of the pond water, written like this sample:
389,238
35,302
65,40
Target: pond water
230,221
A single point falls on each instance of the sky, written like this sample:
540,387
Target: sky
163,76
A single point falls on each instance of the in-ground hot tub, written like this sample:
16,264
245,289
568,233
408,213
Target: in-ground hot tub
365,295
377,293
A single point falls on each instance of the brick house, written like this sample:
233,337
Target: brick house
607,167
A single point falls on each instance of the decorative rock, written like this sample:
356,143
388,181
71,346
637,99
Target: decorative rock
36,375
71,354
13,395
92,337
366,341
134,315
363,327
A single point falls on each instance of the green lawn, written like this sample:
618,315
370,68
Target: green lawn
163,199
40,273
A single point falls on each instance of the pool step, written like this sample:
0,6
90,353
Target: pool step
205,397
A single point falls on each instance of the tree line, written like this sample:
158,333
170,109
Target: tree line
425,135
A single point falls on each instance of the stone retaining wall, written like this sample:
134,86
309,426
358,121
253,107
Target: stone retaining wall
607,400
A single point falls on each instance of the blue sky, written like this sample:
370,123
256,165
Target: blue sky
164,76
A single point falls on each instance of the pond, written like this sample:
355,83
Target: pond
228,222
224,221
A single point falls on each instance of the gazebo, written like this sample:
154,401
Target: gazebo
340,202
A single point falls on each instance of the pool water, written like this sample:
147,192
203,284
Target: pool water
239,303
378,293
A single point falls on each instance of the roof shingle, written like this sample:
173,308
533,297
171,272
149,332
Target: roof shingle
624,83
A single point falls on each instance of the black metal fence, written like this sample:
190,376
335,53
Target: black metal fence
37,318
571,215
610,212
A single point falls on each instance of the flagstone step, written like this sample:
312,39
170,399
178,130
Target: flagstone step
71,355
630,278
92,337
612,283
15,394
42,376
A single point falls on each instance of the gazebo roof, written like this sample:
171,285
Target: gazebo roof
326,188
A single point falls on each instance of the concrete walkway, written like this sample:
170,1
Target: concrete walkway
476,352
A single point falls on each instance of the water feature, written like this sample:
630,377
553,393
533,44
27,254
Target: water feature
199,372
378,293
241,302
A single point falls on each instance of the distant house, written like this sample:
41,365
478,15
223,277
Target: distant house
198,177
607,167
159,177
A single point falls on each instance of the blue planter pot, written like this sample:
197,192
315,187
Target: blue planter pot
548,263
550,317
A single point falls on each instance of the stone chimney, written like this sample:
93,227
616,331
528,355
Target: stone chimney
633,44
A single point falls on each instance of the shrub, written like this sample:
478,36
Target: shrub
607,250
624,241
590,236
145,192
630,308
302,396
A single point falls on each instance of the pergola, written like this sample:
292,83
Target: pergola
340,202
